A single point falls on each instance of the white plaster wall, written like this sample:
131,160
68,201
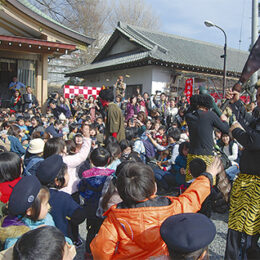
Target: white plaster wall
137,76
160,77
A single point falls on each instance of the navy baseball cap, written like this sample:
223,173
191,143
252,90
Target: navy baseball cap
49,169
187,232
23,195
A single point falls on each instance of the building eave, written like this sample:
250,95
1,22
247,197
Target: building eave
34,46
49,23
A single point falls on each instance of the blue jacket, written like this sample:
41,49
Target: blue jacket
16,145
90,187
52,131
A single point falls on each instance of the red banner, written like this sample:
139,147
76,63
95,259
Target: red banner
188,88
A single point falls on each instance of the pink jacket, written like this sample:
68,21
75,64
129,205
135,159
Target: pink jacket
97,171
73,161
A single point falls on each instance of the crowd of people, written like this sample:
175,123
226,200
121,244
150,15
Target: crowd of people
144,172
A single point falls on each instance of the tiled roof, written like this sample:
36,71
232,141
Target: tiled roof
170,49
39,14
112,62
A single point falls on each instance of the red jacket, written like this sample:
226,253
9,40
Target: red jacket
135,233
6,190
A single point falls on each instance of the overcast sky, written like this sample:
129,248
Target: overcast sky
186,18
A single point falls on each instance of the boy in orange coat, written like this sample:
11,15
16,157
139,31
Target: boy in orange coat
131,229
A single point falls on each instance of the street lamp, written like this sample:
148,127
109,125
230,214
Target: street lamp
210,24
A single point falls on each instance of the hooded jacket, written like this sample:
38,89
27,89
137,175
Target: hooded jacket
134,233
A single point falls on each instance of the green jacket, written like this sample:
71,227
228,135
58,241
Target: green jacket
115,122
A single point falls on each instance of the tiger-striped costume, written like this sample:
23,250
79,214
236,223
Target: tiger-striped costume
244,215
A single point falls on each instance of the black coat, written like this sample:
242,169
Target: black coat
27,101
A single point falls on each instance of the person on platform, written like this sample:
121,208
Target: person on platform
244,213
29,100
16,85
16,102
115,119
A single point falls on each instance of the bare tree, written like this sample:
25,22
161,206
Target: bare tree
98,18
134,12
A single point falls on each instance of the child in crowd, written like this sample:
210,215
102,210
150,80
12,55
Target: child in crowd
126,149
93,135
100,125
115,153
10,174
33,156
73,130
78,140
13,136
161,132
27,209
43,243
181,163
191,227
70,147
132,228
53,173
24,129
90,188
197,167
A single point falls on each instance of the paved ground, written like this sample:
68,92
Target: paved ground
216,249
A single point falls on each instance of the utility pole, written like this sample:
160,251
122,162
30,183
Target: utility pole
254,77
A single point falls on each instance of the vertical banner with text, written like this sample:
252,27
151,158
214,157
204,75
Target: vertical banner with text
188,88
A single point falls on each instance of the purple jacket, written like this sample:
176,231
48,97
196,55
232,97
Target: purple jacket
131,111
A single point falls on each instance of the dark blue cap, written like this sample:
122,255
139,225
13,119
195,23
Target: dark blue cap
23,195
49,169
187,232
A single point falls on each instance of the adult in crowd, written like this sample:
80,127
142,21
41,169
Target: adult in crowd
230,148
161,103
201,123
57,110
171,112
64,103
132,108
244,213
120,87
29,100
55,129
182,102
115,119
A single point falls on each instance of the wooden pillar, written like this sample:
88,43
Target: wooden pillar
39,80
44,78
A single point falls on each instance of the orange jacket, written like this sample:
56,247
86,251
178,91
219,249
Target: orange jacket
135,233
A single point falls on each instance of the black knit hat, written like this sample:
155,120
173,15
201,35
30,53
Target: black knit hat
187,232
23,195
202,100
49,169
107,94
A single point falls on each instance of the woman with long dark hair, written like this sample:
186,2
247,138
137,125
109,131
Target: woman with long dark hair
132,108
